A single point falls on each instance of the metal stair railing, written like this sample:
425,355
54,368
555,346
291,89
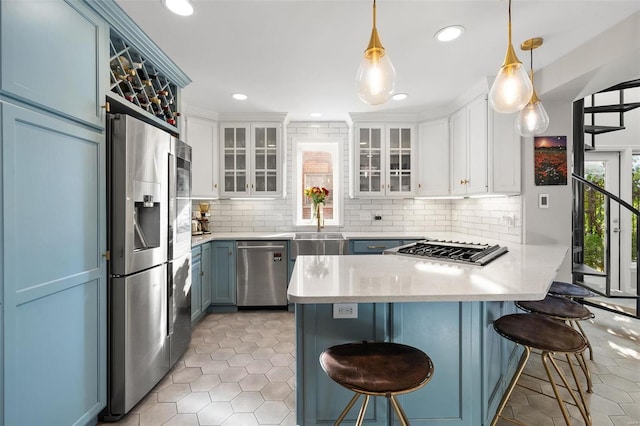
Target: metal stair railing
608,197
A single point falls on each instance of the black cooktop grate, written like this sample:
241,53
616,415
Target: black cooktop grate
453,251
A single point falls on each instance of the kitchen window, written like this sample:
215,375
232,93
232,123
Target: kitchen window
317,163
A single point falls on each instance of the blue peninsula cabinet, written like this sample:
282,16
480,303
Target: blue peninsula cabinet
473,365
446,309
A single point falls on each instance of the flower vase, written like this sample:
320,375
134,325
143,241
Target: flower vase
317,215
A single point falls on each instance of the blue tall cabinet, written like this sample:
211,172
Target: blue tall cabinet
53,210
54,63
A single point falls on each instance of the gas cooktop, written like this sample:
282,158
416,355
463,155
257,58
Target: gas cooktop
453,251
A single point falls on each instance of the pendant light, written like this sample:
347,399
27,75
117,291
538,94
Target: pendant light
376,77
532,119
512,88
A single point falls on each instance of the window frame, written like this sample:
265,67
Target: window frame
325,144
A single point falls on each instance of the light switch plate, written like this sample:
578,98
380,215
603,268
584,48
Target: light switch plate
543,201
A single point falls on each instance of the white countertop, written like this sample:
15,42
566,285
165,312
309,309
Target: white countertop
237,236
524,273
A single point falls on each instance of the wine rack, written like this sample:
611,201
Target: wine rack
138,81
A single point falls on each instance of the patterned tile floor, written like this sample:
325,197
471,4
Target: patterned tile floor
239,370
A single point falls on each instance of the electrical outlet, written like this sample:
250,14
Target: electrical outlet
345,310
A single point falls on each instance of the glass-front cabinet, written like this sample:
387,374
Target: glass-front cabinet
235,144
385,160
251,155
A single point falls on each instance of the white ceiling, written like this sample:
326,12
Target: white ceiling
301,56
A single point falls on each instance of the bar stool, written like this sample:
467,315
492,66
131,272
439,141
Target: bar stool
549,336
376,369
573,292
570,290
569,311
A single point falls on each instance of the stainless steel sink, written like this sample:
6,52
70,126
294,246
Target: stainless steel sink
318,243
318,236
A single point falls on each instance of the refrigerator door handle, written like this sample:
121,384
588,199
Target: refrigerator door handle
170,298
172,205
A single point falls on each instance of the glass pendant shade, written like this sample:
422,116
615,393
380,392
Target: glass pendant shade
376,77
511,89
375,80
533,119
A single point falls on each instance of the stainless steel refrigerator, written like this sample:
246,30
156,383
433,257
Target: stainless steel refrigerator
149,227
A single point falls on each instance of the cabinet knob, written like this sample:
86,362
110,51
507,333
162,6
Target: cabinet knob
106,107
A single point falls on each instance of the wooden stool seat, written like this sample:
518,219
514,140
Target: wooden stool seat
568,310
534,331
557,307
376,369
560,288
540,332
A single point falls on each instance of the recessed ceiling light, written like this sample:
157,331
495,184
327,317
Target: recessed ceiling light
449,33
400,96
315,115
179,7
239,96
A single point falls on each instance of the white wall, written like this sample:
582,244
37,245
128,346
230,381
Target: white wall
552,224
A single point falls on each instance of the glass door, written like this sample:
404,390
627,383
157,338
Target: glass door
235,167
370,168
603,169
265,166
400,160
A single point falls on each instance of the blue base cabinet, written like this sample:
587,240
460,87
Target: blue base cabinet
196,284
319,400
472,364
375,246
223,270
201,274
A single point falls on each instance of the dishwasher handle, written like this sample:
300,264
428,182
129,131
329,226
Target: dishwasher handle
269,247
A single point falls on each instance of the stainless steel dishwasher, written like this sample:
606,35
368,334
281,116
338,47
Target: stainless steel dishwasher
261,273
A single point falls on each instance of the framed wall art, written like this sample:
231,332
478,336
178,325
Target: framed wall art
550,160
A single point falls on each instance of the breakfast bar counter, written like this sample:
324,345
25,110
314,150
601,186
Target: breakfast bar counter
445,309
523,273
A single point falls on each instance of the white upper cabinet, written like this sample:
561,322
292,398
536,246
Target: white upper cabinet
504,154
251,159
202,135
485,151
433,158
385,160
469,149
